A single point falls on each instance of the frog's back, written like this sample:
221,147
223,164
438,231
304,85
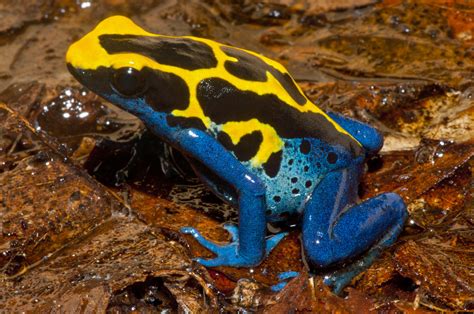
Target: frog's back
225,103
248,102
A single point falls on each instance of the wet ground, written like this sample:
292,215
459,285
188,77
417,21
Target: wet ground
91,203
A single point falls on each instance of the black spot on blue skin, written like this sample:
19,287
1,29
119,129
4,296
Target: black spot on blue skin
295,191
290,162
272,166
318,164
308,184
294,180
246,148
306,168
185,122
180,52
222,102
277,198
332,158
252,68
305,147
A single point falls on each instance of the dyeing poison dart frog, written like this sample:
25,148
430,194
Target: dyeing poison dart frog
252,136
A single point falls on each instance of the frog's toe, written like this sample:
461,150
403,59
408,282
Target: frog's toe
226,255
203,241
273,241
233,230
287,275
279,286
215,262
283,280
337,283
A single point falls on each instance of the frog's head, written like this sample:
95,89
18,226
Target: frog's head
120,61
118,78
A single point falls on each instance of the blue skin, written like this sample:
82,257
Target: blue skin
336,228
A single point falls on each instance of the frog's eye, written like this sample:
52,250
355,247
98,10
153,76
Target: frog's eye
129,82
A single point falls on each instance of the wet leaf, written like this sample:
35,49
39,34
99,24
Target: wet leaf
441,269
68,243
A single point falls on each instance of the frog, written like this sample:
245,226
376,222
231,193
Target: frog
252,137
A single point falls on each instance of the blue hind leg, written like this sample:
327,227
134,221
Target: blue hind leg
336,229
338,279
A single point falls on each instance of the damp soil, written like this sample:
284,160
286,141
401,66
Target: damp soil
91,202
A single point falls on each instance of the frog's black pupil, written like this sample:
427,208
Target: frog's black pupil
128,82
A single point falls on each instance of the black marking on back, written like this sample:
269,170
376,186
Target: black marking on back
272,166
252,68
185,122
180,52
223,102
246,148
247,67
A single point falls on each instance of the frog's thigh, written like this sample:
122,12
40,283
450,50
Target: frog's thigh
335,228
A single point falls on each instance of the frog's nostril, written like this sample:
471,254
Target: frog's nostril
268,212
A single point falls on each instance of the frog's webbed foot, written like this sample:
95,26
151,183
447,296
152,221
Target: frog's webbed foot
229,255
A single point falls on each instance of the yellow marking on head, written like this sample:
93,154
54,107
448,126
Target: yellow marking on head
271,143
88,54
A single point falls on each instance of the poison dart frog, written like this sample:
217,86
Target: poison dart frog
252,136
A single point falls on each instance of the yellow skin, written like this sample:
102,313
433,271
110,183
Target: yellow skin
88,54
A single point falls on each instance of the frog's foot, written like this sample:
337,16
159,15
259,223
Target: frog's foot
229,255
283,277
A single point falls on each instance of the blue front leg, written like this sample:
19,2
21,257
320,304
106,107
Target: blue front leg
248,247
336,229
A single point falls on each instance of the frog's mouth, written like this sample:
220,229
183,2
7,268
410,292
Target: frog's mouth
83,76
75,72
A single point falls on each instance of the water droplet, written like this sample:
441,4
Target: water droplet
85,5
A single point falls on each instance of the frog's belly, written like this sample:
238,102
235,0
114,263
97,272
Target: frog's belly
299,172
